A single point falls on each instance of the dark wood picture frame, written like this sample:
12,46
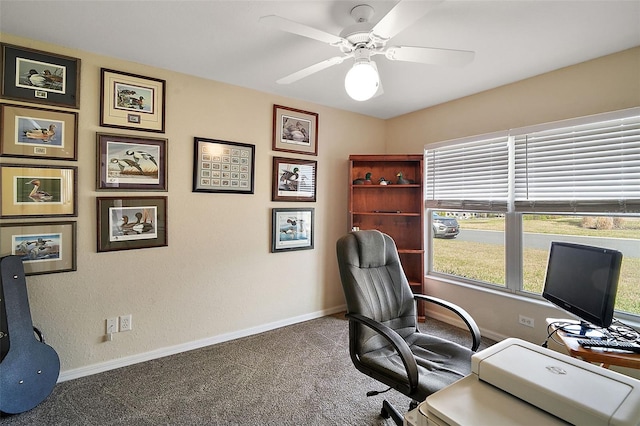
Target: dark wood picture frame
41,77
223,166
295,130
131,163
30,190
31,132
132,101
45,247
117,229
294,179
292,229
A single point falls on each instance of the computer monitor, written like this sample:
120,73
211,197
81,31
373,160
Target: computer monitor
583,280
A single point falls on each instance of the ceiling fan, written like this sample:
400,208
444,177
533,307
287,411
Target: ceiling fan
363,40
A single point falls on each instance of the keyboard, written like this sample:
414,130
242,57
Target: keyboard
610,344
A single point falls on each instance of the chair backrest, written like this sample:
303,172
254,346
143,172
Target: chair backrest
375,285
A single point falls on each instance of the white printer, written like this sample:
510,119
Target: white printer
515,382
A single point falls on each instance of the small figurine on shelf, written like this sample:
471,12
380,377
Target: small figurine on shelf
402,180
383,181
363,181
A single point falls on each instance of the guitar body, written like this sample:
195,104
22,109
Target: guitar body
30,368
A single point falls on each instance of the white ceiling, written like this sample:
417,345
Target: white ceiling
223,41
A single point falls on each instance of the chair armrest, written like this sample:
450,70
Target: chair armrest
464,315
398,343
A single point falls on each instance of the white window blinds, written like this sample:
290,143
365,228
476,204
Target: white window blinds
468,175
580,165
591,165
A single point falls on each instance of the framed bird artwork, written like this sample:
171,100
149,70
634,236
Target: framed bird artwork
38,133
295,130
35,76
292,229
30,190
126,223
294,179
43,247
131,163
132,101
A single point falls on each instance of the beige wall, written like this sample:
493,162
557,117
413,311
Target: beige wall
606,84
217,278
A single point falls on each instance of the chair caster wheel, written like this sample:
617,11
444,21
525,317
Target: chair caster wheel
384,413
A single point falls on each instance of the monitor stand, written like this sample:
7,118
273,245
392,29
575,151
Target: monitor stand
583,330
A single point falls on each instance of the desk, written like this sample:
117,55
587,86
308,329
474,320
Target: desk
603,356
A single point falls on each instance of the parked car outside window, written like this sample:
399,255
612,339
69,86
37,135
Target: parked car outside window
444,227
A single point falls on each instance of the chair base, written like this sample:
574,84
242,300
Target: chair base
389,410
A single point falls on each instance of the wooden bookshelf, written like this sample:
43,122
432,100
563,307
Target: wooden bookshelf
395,209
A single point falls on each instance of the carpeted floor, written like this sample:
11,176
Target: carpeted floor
295,375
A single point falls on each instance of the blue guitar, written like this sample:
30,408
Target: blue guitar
29,368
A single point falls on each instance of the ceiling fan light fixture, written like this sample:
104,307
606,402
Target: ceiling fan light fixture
362,81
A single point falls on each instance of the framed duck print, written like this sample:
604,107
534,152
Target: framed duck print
293,179
38,191
295,130
126,223
292,229
35,76
132,101
43,247
131,163
38,132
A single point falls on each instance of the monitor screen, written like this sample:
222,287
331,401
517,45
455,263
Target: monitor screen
583,280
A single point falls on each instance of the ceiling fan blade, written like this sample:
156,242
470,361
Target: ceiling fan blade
305,72
403,14
380,90
277,22
430,55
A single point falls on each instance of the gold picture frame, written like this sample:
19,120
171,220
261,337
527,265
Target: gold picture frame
38,191
38,133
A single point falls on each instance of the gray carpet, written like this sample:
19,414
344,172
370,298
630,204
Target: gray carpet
295,375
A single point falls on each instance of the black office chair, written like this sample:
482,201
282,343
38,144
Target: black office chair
384,340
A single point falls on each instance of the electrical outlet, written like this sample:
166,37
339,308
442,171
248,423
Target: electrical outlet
521,319
125,323
112,325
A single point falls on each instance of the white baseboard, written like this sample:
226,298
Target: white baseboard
184,347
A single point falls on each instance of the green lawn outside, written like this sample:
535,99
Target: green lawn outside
567,225
485,262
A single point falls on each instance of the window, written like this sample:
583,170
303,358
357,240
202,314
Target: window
476,255
513,193
621,233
